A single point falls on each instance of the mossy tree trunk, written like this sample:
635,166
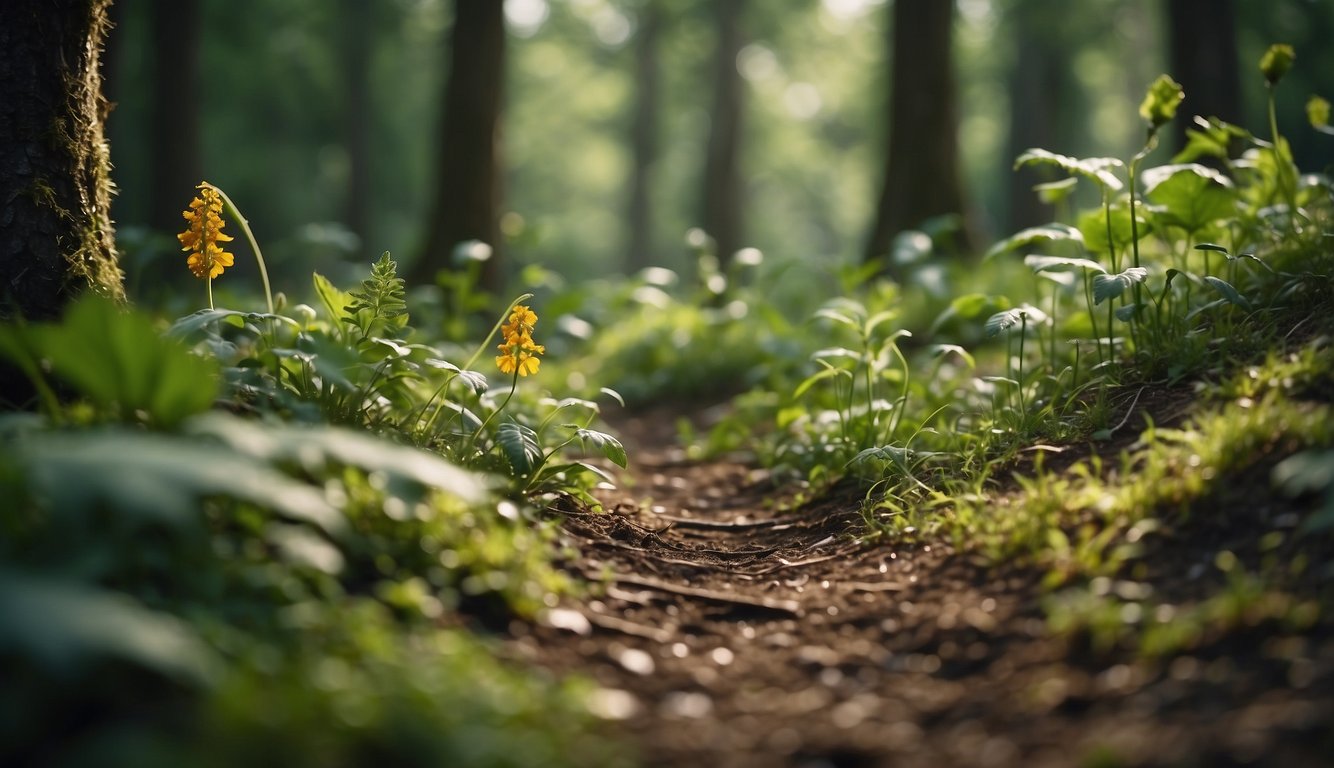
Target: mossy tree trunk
56,236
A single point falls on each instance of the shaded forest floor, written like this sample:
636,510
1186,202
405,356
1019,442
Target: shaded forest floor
737,627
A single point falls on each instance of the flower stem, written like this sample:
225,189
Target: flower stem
254,246
487,341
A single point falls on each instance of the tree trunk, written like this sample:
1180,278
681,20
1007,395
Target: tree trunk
358,19
467,197
722,216
644,138
922,165
1040,83
175,167
56,236
1203,44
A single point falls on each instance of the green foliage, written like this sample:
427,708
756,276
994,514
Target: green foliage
117,361
380,305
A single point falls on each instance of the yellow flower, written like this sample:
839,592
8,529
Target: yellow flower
518,351
201,239
521,322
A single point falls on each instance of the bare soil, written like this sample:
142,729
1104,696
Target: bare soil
729,627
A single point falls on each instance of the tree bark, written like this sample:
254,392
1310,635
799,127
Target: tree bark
1203,44
922,177
723,209
175,167
1041,82
358,36
56,236
644,138
467,197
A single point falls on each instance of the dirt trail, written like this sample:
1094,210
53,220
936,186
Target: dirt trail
737,631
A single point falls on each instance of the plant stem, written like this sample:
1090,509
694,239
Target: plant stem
254,246
487,341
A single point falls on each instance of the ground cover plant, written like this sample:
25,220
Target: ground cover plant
1045,514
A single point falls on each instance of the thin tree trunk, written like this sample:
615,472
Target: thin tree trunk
922,178
175,166
467,196
358,18
723,210
644,138
1203,44
56,236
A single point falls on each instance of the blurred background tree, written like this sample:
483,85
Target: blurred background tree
281,113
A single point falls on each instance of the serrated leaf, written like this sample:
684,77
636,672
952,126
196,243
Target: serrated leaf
1046,232
1110,286
520,446
608,446
1228,292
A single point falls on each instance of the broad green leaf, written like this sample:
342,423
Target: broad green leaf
1227,291
1189,196
968,307
161,478
64,626
607,445
1093,225
520,446
1003,321
319,444
1110,286
1039,263
119,361
1212,138
1044,233
1098,169
476,381
1128,312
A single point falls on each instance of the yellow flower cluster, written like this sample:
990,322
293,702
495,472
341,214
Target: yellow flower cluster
519,353
202,238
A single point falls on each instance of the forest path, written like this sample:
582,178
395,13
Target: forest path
739,629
